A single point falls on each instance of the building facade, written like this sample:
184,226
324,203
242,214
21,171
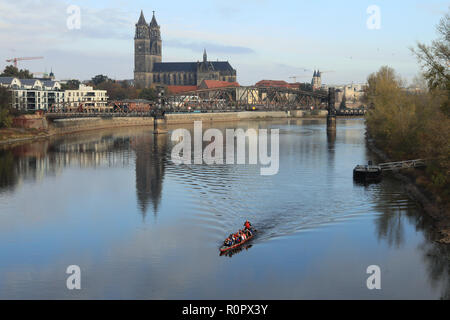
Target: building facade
350,96
85,96
33,94
149,70
36,94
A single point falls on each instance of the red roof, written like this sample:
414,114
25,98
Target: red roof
180,89
294,85
272,83
210,84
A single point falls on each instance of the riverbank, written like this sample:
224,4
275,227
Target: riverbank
69,126
18,135
415,182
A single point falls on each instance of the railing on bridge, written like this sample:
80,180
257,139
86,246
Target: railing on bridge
351,112
62,115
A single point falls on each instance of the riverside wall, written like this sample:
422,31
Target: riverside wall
65,126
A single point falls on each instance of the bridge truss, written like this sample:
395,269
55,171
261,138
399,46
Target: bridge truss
245,98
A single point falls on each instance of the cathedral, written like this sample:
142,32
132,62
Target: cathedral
316,82
149,70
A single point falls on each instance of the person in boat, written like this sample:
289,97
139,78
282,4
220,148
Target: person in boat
247,225
230,240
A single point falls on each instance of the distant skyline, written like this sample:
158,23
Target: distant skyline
262,39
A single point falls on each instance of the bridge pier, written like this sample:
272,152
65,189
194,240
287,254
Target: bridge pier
331,123
158,116
331,118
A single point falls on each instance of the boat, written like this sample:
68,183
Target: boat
367,173
224,249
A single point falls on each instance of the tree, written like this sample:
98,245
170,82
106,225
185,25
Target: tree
71,85
343,104
435,62
306,87
12,71
118,90
100,79
392,119
5,107
148,94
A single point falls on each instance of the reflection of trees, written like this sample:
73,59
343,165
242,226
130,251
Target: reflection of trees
390,227
33,161
437,259
36,160
150,166
8,176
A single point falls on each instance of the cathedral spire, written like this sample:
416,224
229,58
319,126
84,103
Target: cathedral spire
142,19
205,57
153,23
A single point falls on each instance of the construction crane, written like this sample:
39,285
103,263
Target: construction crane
295,78
14,60
326,71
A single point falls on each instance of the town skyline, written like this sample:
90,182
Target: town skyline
259,41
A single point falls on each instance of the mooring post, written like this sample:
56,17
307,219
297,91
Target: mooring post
331,117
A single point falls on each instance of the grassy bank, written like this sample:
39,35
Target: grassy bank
10,135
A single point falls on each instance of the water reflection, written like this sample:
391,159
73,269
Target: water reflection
150,153
238,250
34,161
8,174
396,214
318,230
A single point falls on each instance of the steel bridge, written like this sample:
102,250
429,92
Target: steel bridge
245,98
228,99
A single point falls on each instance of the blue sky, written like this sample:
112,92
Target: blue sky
262,39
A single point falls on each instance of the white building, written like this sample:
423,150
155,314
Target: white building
86,96
353,94
33,94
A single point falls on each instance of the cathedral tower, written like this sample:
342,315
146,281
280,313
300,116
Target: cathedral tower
141,52
147,50
155,42
316,82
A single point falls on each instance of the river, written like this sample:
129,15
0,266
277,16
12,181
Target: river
140,227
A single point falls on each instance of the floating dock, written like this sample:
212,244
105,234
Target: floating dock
373,173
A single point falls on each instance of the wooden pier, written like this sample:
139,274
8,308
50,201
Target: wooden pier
391,166
373,173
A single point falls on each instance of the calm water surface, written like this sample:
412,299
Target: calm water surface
113,203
